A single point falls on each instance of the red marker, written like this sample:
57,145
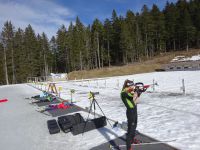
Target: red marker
3,100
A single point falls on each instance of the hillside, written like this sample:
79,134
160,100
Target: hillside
139,67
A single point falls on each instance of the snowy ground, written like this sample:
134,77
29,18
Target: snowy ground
21,127
164,114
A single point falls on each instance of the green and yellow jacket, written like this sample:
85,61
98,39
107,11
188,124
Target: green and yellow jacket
127,99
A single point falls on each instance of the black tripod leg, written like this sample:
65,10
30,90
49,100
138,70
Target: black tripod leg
94,109
87,117
103,113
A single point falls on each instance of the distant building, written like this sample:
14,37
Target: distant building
181,63
58,77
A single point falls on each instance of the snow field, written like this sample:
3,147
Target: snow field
165,113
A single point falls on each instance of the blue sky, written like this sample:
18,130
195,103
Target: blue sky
48,15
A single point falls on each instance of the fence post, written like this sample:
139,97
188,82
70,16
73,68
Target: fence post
45,86
183,86
117,83
97,83
72,91
82,82
59,89
153,85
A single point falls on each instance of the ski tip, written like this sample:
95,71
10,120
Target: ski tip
110,146
115,124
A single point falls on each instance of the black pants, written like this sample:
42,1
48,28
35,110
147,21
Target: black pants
132,124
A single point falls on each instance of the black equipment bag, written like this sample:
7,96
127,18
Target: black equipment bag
66,122
78,118
89,125
53,126
41,100
36,97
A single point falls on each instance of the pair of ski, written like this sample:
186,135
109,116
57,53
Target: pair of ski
118,147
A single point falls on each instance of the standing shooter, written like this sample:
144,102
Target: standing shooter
129,97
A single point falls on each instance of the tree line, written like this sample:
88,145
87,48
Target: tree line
118,40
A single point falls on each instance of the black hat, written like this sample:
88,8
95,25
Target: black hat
129,82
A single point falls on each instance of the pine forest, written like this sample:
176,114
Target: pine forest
118,40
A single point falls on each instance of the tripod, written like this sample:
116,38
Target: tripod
93,103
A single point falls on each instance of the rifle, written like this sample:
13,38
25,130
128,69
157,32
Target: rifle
140,88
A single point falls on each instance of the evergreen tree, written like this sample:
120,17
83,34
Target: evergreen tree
145,23
54,51
31,52
61,42
120,40
2,78
139,43
46,55
125,42
79,45
171,16
116,56
131,23
88,45
158,30
97,42
7,40
70,38
194,9
107,36
185,28
20,59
